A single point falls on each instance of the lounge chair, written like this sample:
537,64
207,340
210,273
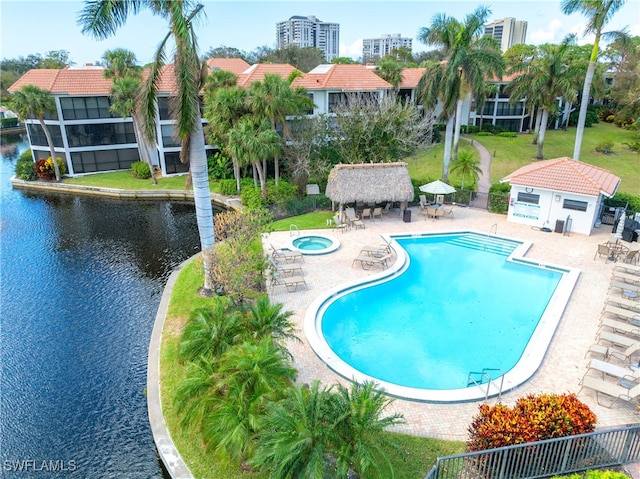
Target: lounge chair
620,389
615,370
286,269
375,250
286,254
387,208
632,257
607,352
377,212
629,268
625,277
366,213
621,327
624,313
338,224
623,302
292,283
353,219
617,339
367,261
625,286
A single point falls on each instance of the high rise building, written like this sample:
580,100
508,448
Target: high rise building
507,32
373,48
310,32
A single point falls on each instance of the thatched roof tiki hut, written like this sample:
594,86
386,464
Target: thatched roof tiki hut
369,183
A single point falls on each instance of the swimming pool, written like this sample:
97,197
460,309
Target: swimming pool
456,304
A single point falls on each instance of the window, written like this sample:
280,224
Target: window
37,136
168,138
100,134
575,205
82,108
173,164
163,108
528,198
105,160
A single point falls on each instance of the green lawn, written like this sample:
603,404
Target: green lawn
412,460
512,153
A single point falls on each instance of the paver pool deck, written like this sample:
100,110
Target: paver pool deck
564,363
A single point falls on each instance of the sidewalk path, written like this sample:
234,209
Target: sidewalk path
484,182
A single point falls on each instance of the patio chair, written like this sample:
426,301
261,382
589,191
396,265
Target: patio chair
387,208
292,283
621,327
338,224
624,286
603,250
353,219
377,212
620,389
375,250
625,354
286,255
423,201
440,199
366,213
367,261
448,211
624,313
632,257
623,302
629,268
617,339
625,277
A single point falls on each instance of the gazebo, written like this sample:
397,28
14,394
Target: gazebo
369,183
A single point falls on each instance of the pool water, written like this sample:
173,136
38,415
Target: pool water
315,244
458,308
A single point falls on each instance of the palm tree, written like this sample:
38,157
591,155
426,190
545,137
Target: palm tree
390,70
268,319
598,12
101,18
361,428
466,164
250,375
470,58
125,91
296,435
275,99
34,102
547,77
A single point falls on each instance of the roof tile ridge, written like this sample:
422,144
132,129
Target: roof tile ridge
575,168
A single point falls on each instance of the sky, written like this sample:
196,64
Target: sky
37,27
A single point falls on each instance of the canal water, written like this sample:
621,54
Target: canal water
80,283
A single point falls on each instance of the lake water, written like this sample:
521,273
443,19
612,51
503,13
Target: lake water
80,283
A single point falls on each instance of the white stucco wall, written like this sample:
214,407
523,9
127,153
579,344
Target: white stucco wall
550,209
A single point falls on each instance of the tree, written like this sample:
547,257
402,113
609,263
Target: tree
125,91
598,13
360,428
466,164
268,319
224,51
34,102
624,58
390,70
296,435
545,79
470,58
101,19
482,94
304,59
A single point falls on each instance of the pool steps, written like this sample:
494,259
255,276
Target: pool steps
484,243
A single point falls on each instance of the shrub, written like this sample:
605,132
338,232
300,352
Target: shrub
485,133
634,144
533,418
596,475
25,167
507,134
141,170
219,167
228,187
45,171
606,146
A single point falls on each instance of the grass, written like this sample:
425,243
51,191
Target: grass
413,458
509,154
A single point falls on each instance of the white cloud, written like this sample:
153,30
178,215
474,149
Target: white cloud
549,34
353,50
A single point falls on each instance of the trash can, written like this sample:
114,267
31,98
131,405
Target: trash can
406,216
559,226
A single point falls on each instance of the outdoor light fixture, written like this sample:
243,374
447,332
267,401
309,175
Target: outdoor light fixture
557,197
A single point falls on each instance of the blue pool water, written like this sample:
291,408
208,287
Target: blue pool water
457,308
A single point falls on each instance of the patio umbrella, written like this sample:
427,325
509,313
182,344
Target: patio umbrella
437,188
617,234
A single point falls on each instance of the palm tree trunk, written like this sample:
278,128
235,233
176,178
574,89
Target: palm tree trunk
536,130
543,129
448,137
52,149
456,131
236,174
263,185
584,104
202,196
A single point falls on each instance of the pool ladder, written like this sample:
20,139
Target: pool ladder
293,229
478,378
494,229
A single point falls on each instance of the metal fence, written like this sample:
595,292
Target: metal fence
566,455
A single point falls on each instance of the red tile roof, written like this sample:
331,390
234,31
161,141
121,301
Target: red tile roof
233,65
565,174
411,77
258,71
341,77
71,81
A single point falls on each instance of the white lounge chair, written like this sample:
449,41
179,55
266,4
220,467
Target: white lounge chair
615,370
624,313
292,283
286,269
367,261
353,219
620,389
287,255
338,224
377,211
625,286
622,327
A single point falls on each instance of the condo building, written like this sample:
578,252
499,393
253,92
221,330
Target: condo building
507,32
310,32
374,48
